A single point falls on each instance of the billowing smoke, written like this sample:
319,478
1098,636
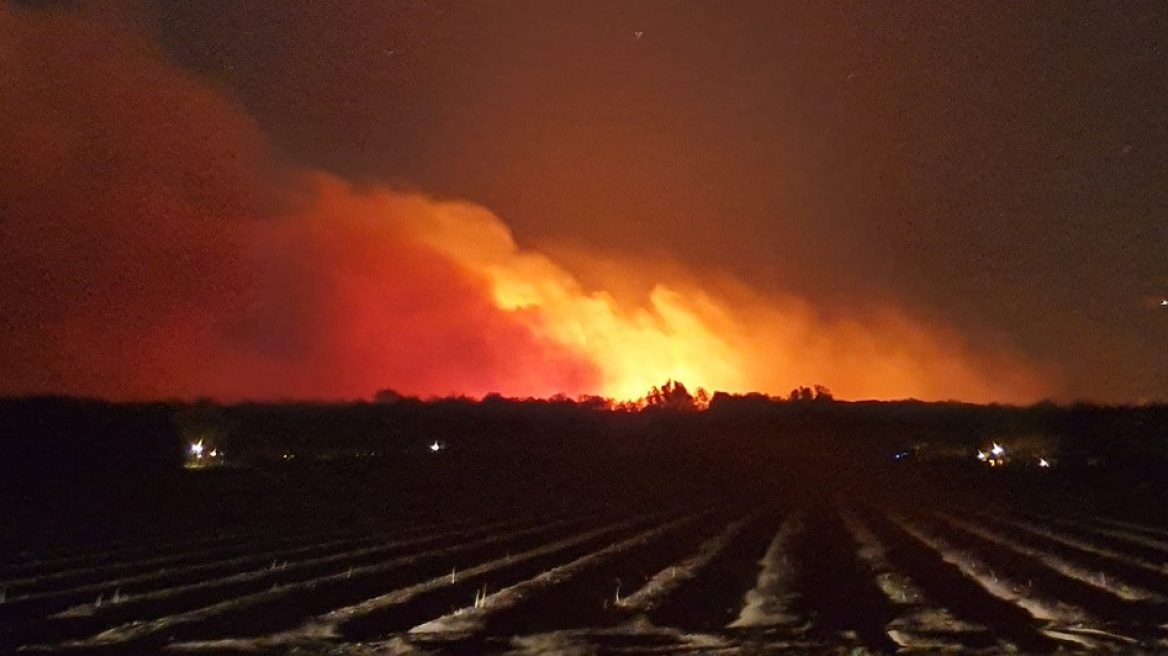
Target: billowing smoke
153,248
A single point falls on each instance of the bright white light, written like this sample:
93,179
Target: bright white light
997,450
214,453
1043,463
435,446
197,449
982,456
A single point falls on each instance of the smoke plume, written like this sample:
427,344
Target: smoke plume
153,247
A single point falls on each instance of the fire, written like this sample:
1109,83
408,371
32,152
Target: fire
670,336
718,335
155,249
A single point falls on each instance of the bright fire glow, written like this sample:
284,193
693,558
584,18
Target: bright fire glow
715,334
172,257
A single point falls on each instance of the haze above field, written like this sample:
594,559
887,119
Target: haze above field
261,201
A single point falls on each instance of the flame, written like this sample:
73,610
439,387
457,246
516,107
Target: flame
717,335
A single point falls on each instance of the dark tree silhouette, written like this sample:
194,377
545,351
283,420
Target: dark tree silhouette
671,396
816,393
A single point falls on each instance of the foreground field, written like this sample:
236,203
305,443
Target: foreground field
796,570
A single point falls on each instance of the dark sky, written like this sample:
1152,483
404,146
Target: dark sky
1001,170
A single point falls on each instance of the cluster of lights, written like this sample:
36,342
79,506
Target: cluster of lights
996,457
198,451
200,455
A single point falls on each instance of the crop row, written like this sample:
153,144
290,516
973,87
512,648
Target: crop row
833,573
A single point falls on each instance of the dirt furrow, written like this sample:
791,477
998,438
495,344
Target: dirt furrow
836,593
1133,537
769,603
469,621
1151,574
1049,577
172,581
919,623
475,584
285,606
84,620
84,575
713,598
1039,596
1112,585
31,566
665,582
963,596
973,566
1111,565
1151,531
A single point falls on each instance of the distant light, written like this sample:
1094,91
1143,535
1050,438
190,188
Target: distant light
197,449
435,446
1164,302
997,450
982,456
1043,463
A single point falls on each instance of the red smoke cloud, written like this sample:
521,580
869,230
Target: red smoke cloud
347,302
152,248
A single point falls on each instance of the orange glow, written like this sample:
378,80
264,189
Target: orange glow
720,336
153,249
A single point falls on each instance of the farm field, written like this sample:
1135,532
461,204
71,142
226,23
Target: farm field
653,569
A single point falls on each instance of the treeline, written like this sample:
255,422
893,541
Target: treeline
80,440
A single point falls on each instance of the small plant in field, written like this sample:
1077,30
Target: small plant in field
481,597
453,574
616,596
3,595
117,598
97,603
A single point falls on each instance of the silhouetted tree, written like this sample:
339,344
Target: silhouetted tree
387,396
702,399
801,394
672,396
816,393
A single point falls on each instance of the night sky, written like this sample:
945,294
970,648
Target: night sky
284,199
